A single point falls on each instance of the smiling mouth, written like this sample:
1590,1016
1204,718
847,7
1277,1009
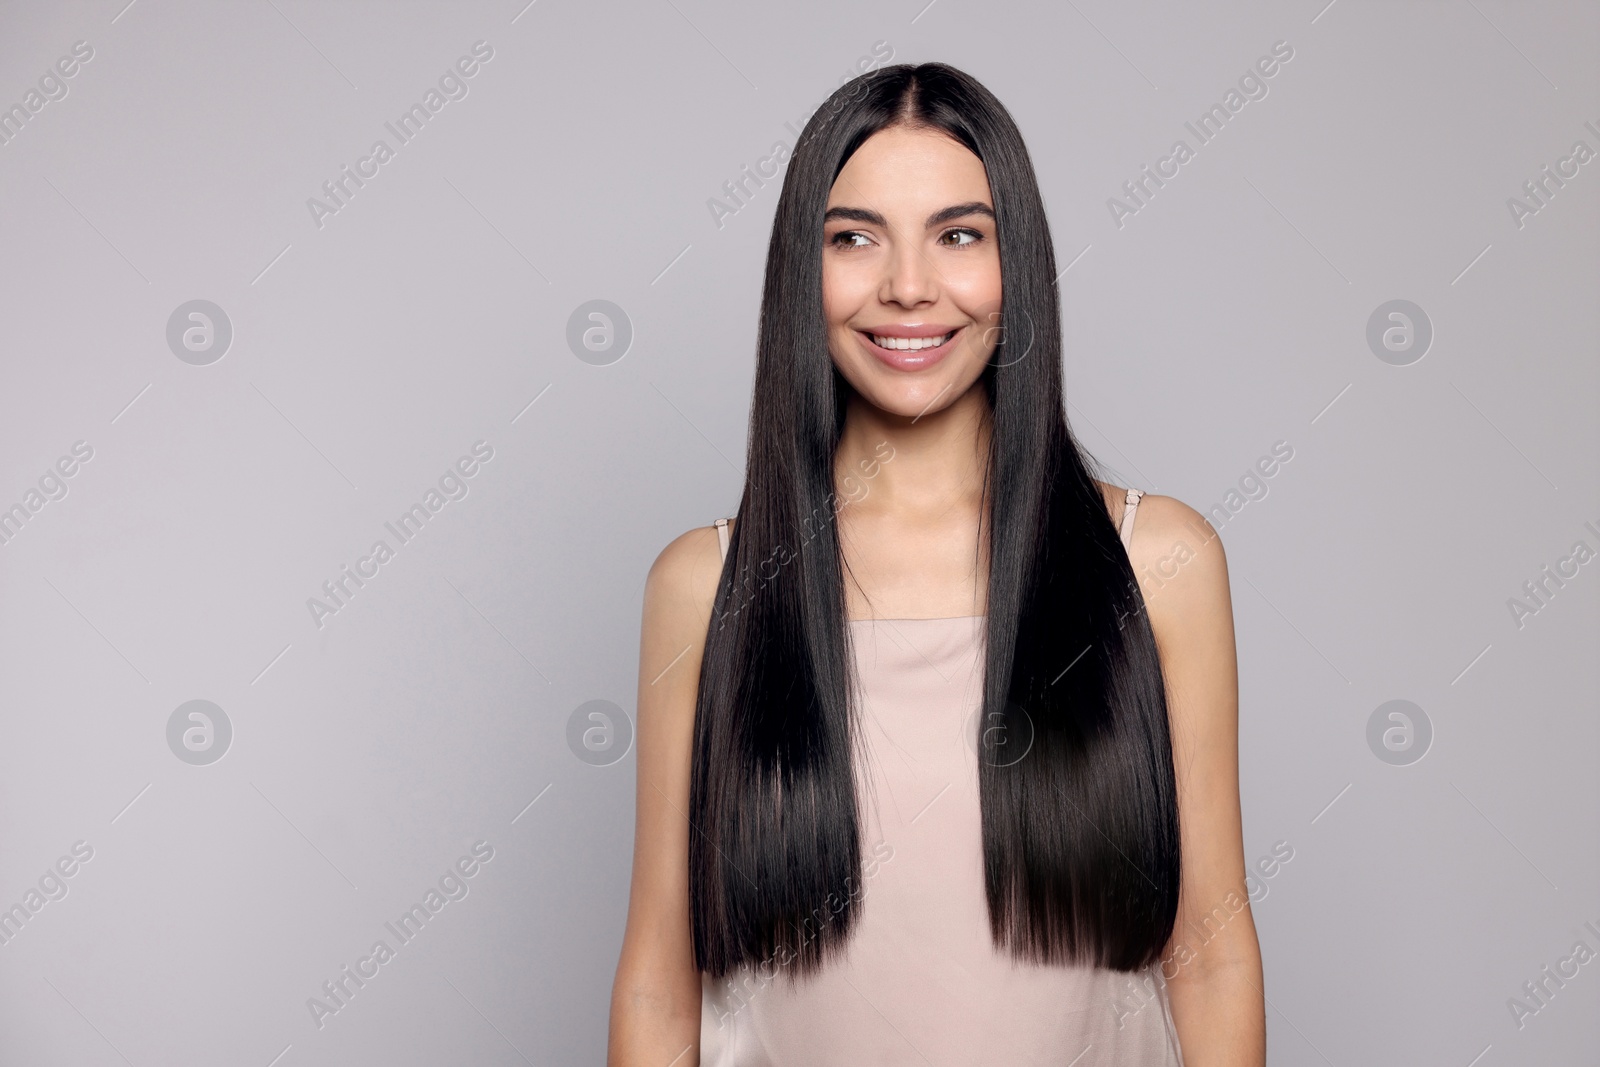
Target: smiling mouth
909,344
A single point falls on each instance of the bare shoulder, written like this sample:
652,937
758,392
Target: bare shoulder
1182,569
678,596
1178,559
682,583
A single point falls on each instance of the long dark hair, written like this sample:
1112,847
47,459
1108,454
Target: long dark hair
1080,836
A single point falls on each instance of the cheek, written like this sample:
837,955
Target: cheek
977,294
983,308
830,292
976,284
844,292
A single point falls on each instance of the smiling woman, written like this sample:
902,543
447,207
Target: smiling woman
935,791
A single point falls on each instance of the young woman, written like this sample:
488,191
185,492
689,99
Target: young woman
937,746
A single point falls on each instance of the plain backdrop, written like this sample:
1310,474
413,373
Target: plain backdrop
447,703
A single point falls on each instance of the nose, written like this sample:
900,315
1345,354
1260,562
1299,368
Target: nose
909,279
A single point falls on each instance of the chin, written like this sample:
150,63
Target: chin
910,400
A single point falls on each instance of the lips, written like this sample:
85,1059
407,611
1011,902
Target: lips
909,348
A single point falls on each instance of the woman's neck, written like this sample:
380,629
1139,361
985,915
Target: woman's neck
923,464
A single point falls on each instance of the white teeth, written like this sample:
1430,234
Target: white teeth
909,344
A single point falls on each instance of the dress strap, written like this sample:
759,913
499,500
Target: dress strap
722,536
1128,511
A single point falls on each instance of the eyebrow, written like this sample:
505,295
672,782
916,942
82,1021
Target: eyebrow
872,218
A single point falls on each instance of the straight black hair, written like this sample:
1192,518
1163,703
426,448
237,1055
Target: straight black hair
1080,834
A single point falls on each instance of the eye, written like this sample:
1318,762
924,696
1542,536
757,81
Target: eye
972,237
845,239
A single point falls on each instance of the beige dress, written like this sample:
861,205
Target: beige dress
921,982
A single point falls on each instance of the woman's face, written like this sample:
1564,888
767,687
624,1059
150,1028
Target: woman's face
911,271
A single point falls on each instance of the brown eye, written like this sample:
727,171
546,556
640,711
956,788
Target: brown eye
973,237
843,238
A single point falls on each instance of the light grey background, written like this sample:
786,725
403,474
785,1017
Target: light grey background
370,353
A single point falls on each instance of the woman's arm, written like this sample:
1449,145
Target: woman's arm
655,1000
1213,962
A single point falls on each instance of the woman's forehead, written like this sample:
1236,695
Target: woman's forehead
899,170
